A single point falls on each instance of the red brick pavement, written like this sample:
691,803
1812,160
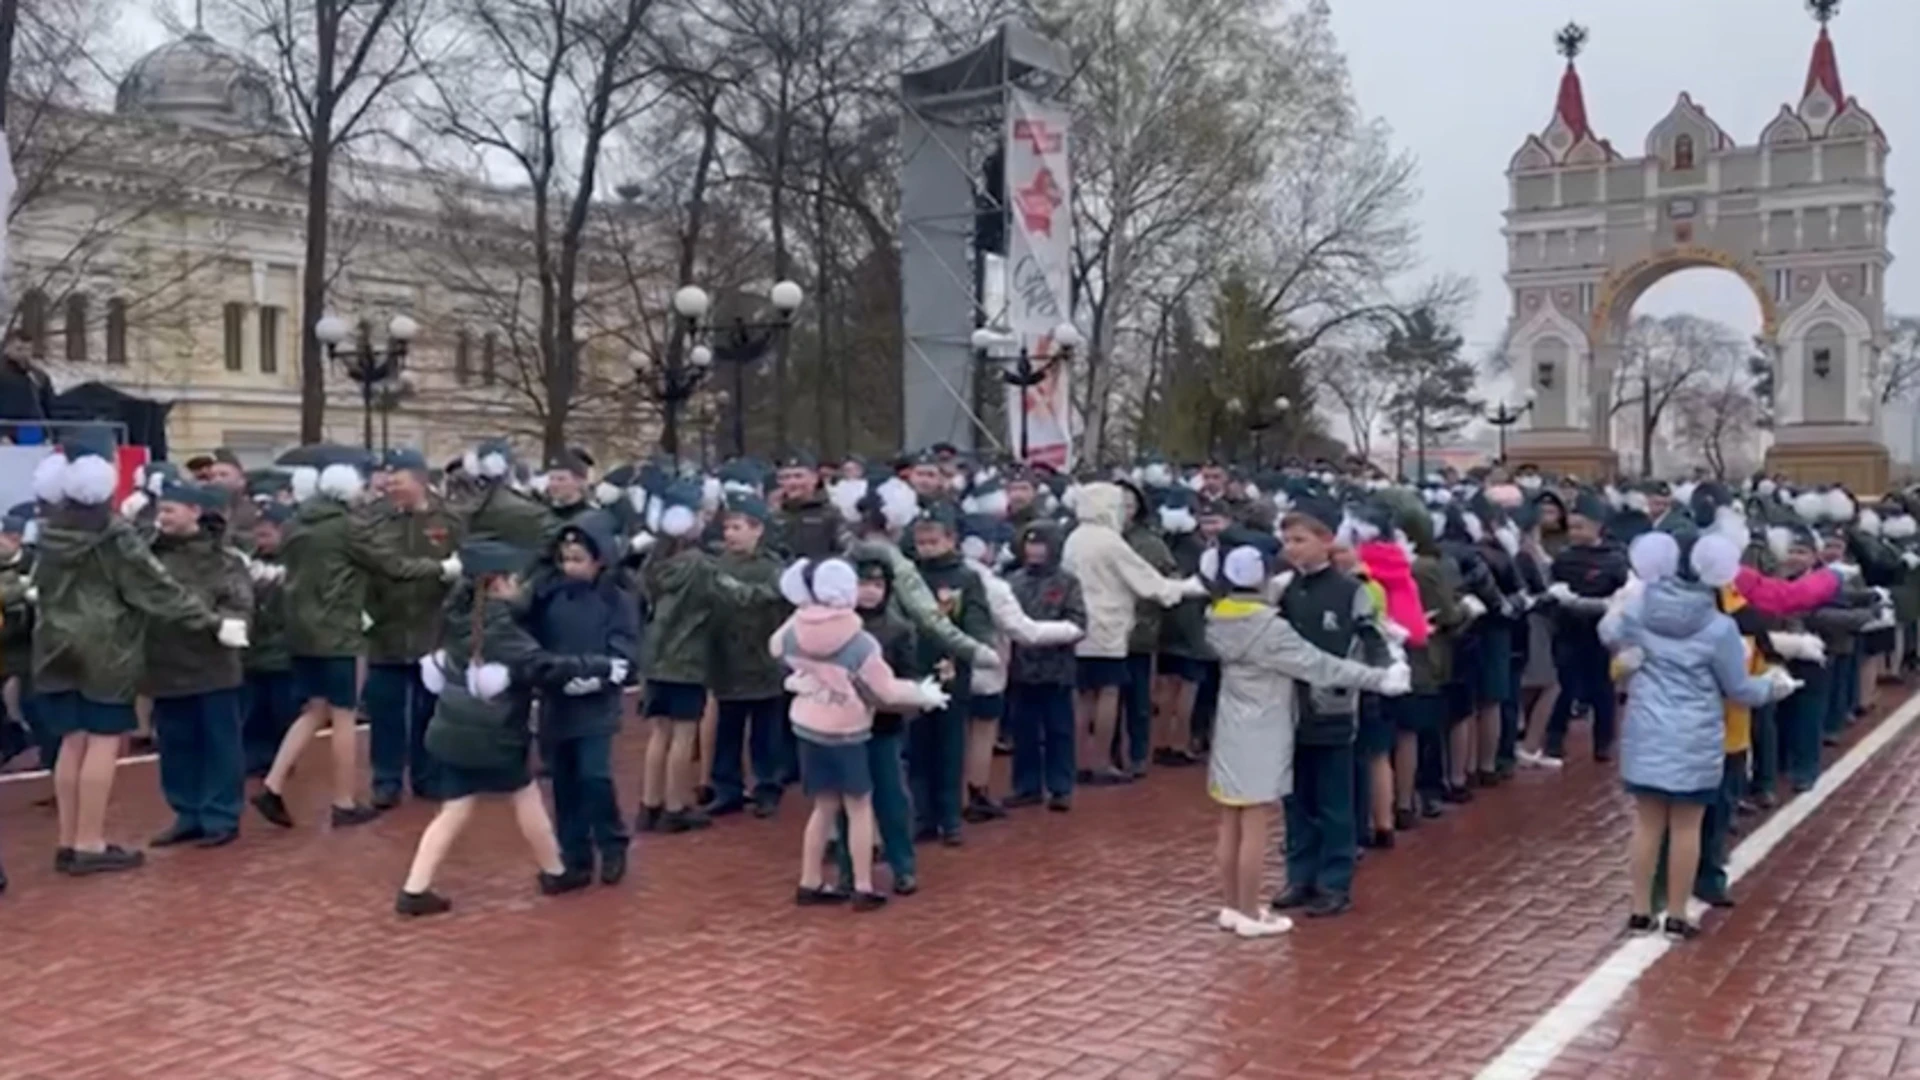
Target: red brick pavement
1049,947
1815,975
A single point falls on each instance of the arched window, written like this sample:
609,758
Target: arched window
1682,153
33,321
116,331
463,358
76,330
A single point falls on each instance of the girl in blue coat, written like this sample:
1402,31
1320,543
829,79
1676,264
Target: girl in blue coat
1685,657
583,611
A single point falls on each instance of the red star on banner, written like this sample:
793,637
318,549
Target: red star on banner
1037,202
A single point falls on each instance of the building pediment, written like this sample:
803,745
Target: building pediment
1533,156
1689,120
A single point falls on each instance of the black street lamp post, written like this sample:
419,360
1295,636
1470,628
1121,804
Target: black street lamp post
1025,370
739,343
366,365
1261,422
1505,416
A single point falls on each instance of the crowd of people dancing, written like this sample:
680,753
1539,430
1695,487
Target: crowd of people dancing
1339,653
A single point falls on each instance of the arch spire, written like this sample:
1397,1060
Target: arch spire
1570,108
1823,71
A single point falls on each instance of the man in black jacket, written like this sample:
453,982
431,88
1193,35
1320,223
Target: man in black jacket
808,526
25,391
1583,577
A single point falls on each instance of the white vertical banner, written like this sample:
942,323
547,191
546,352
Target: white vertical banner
1039,272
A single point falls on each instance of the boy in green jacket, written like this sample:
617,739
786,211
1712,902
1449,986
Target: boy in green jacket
747,683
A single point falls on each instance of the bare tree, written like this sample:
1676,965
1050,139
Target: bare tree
1358,382
337,61
1661,358
1716,418
542,86
1899,374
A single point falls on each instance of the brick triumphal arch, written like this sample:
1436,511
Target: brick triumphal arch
1801,217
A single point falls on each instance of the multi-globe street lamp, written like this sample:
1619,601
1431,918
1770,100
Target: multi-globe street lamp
739,343
1026,370
1507,415
369,366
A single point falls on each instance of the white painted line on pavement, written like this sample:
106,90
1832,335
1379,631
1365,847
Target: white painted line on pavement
1537,1047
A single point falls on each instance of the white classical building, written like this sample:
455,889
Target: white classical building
1800,215
157,251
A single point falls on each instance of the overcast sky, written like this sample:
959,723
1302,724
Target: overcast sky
1463,83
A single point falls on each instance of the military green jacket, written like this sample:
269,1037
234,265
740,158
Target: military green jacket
181,664
267,651
100,589
500,513
737,670
16,635
329,564
404,611
678,583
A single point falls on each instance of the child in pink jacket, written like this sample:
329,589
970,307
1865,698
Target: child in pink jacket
837,675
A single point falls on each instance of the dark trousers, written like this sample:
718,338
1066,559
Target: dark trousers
1206,702
1136,699
1766,749
1320,838
1845,692
586,808
1583,677
202,773
399,707
892,810
1801,718
270,708
761,724
1716,827
1041,719
936,752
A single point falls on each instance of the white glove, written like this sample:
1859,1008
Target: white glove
265,573
133,505
233,633
366,622
1193,588
433,672
1794,646
1630,659
641,542
1397,681
1393,631
1783,684
1911,558
933,698
33,594
1885,595
1882,619
617,668
1473,606
450,568
581,687
1562,592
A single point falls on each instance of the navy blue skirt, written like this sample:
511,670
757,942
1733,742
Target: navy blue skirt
1492,674
675,700
458,783
331,679
68,713
835,768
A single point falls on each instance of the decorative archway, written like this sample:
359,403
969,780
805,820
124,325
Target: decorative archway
1799,216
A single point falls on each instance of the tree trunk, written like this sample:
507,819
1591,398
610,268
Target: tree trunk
778,214
1647,419
689,260
823,274
9,18
313,282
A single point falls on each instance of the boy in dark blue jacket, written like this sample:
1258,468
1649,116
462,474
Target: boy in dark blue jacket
583,611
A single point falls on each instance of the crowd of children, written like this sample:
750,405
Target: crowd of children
1347,655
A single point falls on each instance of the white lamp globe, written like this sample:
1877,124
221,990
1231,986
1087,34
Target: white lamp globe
985,339
1282,403
700,357
402,328
331,329
786,296
1068,336
691,302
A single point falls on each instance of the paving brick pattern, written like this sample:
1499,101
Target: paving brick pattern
1049,947
1815,975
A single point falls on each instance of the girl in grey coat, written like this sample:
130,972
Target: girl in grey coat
1251,768
1685,660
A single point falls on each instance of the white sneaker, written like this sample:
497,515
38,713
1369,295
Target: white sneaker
1535,759
1229,919
1268,924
